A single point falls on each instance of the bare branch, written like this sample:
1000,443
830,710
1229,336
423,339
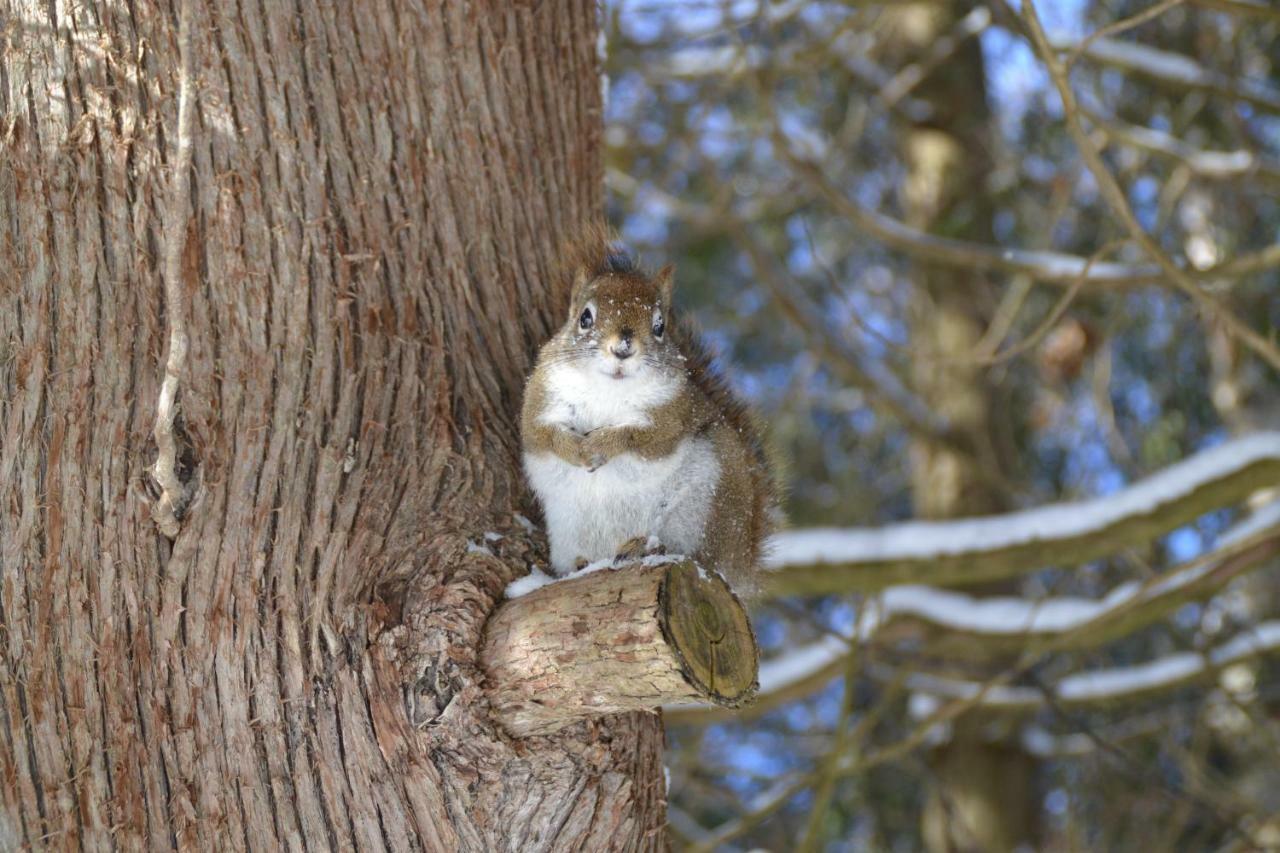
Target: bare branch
1116,27
1255,8
1049,267
906,80
763,806
1116,200
883,388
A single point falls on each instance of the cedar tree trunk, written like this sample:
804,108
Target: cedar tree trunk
359,240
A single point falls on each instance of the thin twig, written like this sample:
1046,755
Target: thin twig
1054,315
1198,796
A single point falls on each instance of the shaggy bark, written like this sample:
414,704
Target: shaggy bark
376,191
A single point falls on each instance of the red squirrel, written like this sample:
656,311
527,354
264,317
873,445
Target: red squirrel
632,443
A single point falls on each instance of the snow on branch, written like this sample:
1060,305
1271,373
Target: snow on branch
821,561
1219,165
1113,685
984,626
1166,67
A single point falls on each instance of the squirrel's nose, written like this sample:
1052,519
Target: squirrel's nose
623,348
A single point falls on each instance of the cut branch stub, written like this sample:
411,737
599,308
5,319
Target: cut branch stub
627,639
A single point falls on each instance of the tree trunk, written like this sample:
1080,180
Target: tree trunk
366,247
983,797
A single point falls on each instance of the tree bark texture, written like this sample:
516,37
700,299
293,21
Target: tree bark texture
984,794
627,639
376,194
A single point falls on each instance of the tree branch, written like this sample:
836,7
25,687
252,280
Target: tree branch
1215,165
884,389
1257,8
1172,68
1115,197
1050,267
633,638
974,627
823,561
1113,685
983,627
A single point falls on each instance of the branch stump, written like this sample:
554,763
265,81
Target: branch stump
626,639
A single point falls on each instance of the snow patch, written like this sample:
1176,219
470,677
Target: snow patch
536,579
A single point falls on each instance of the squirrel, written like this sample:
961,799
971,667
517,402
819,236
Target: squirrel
632,443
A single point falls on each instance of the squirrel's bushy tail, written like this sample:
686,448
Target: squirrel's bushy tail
765,504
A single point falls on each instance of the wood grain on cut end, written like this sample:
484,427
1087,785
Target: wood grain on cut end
707,628
627,639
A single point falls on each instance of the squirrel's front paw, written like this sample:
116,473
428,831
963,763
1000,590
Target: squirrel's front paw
591,452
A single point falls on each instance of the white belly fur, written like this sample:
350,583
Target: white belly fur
590,514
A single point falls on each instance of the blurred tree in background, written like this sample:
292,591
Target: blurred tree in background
968,260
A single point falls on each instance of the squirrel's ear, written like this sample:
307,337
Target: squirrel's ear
581,278
666,279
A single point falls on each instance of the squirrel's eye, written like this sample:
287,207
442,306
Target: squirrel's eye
659,326
585,320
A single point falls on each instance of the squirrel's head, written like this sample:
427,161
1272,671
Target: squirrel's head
618,315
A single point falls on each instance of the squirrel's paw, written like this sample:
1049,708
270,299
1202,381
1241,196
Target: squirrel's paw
591,450
639,546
